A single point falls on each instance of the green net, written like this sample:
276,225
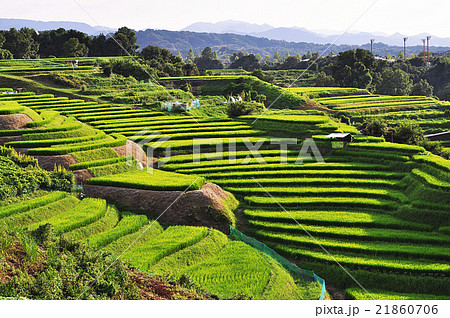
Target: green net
292,268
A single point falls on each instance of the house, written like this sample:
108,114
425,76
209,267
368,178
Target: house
340,140
442,136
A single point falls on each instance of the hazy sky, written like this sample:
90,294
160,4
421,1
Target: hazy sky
408,17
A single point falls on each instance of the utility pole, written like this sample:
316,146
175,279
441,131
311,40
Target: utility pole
371,45
428,49
423,40
404,47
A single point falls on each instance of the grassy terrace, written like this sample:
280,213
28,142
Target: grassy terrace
365,204
427,112
216,264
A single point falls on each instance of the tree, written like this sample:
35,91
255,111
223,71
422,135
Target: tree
267,60
394,82
22,44
422,88
408,132
207,53
276,58
5,54
324,80
308,56
74,48
353,68
2,38
377,128
208,60
243,108
446,93
190,69
127,68
98,46
292,62
400,56
191,56
122,43
247,62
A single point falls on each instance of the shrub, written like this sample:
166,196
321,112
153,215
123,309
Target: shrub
243,108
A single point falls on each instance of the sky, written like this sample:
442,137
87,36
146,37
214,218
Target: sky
408,17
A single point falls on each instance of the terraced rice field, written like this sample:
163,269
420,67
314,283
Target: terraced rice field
360,205
218,265
431,115
370,204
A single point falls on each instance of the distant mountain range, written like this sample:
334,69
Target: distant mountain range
228,43
230,36
296,34
6,24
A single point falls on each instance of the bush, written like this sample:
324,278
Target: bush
243,108
422,88
408,132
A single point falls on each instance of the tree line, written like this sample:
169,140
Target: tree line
28,43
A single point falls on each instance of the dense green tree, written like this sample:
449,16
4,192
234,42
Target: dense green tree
98,46
122,43
376,127
21,43
190,69
324,80
276,58
74,48
422,88
2,38
236,55
5,54
207,53
208,60
394,82
353,68
247,62
408,132
51,43
127,67
292,62
446,93
191,56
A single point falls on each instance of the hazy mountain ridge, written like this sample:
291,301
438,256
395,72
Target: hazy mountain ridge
6,24
297,34
184,40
